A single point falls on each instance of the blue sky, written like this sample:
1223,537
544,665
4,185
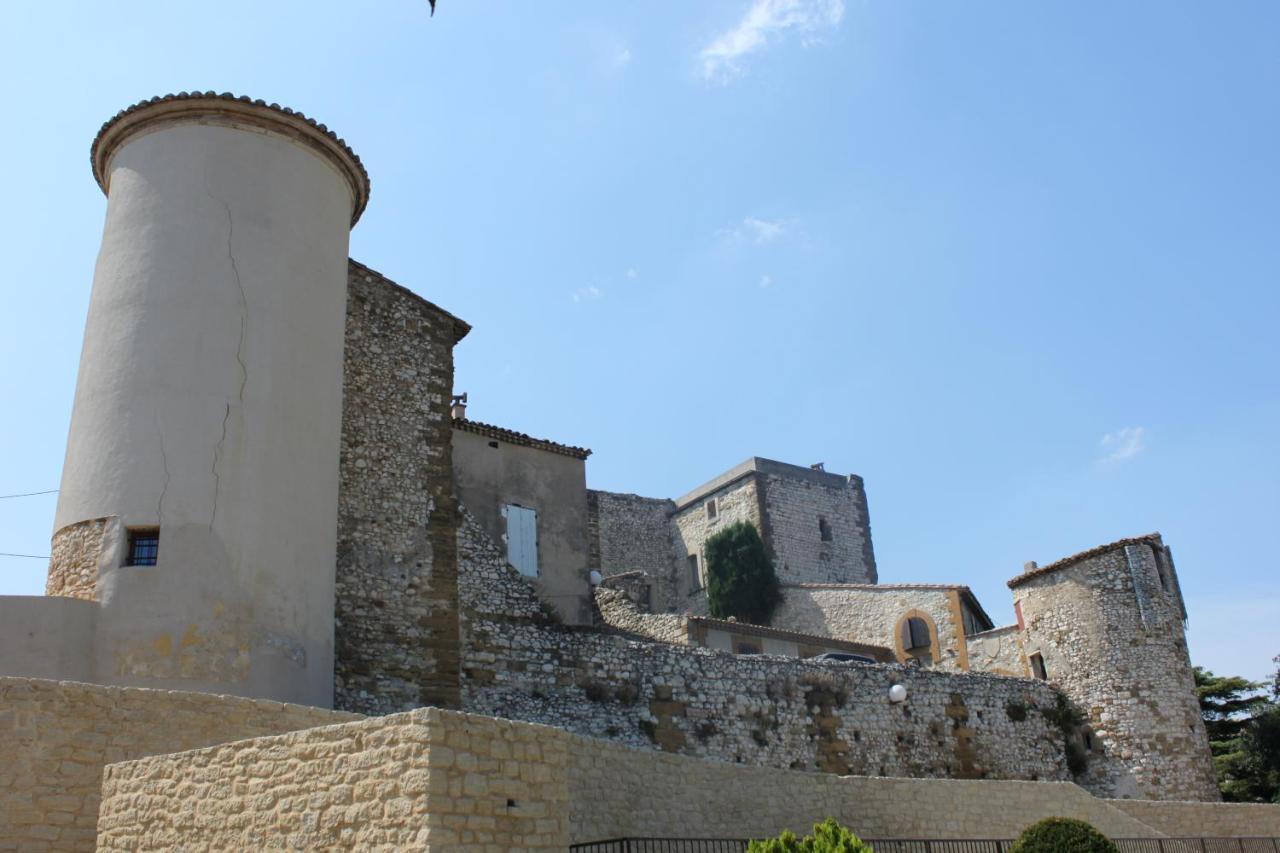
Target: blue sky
1016,264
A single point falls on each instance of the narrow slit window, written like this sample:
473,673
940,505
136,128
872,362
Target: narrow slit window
824,529
695,578
712,509
144,547
1037,667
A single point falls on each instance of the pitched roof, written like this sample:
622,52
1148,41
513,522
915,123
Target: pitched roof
1150,539
513,437
460,327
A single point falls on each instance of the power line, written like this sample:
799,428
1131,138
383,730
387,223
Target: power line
31,556
29,494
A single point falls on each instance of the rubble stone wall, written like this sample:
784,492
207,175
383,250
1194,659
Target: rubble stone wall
735,501
757,709
75,556
1109,628
795,506
999,652
631,533
396,629
58,735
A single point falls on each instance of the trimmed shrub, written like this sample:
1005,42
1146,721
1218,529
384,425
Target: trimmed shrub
1062,835
828,837
740,579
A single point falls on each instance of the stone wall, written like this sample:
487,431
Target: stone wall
762,710
631,533
396,630
735,501
1108,624
999,652
799,507
620,611
75,557
57,736
1210,820
439,780
425,780
867,613
616,792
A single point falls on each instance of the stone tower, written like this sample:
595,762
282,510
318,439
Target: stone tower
1108,627
199,493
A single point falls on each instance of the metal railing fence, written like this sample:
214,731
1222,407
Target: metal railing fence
922,845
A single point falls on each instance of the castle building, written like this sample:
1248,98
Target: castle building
267,493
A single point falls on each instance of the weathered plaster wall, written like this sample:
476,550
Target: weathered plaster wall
396,601
999,652
47,637
874,613
1209,820
490,473
749,709
1111,633
57,736
795,500
631,533
208,401
423,780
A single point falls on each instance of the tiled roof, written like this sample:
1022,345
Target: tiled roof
460,327
1149,539
513,437
291,117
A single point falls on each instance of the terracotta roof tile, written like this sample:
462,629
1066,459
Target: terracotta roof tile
1149,539
513,437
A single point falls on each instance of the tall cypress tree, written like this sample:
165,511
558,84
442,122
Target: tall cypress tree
740,579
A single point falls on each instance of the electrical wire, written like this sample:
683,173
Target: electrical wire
28,494
30,556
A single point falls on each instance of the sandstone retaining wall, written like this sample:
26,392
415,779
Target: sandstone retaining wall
57,736
1211,820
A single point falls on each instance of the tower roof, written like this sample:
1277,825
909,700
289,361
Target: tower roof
1150,539
209,107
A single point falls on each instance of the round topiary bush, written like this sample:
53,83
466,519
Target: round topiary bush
1062,835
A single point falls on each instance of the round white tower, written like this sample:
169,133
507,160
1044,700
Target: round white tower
200,488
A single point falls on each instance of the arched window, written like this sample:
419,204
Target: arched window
915,634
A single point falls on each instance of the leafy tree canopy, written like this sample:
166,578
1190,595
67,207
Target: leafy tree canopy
740,579
1244,734
828,837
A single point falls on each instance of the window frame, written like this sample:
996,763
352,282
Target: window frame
136,535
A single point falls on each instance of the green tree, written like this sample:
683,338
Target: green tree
828,837
740,579
1062,835
1244,734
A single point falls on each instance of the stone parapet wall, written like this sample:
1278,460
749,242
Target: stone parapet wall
396,630
1208,820
619,611
616,792
438,780
57,736
76,554
423,780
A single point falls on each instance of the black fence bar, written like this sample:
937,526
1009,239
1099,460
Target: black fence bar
932,845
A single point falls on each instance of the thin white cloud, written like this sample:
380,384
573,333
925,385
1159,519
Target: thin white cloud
621,58
587,294
766,280
763,230
631,272
764,22
1123,444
